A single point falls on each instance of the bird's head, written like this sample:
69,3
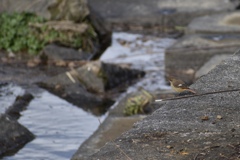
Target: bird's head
170,78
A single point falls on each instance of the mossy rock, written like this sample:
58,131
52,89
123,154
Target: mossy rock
21,32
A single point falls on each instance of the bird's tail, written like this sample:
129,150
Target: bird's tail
190,90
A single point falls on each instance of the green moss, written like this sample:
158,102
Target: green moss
135,104
18,34
15,34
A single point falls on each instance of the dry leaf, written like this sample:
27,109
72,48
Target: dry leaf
204,118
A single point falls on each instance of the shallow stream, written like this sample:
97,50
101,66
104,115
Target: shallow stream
60,127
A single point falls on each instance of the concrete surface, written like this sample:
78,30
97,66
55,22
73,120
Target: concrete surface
190,52
209,65
112,127
224,23
200,127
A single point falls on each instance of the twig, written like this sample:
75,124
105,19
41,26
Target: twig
195,158
70,77
196,95
236,51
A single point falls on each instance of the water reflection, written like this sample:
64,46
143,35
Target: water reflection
59,127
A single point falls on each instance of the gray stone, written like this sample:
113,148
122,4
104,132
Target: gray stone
209,65
113,126
200,127
74,10
69,10
86,86
109,130
13,135
100,77
20,104
190,52
38,7
224,23
166,14
75,92
56,53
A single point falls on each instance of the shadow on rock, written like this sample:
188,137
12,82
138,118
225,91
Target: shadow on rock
88,86
13,136
20,104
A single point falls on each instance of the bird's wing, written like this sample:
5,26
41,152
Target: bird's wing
180,84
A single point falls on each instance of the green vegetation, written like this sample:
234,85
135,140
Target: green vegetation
136,104
26,32
15,34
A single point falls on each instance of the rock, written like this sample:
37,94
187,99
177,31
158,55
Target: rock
55,53
119,76
178,123
63,26
112,127
67,33
191,52
212,63
20,104
75,93
13,136
138,103
161,15
99,77
74,10
224,23
103,31
86,85
66,10
38,7
90,75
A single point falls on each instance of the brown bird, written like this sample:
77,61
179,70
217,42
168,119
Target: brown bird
179,85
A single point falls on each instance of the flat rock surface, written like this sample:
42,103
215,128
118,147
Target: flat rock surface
13,135
190,52
141,13
109,130
113,126
209,65
224,23
200,127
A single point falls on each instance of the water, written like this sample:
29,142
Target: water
140,52
60,127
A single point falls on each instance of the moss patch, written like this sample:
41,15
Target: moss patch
26,32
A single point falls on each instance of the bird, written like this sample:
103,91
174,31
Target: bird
179,86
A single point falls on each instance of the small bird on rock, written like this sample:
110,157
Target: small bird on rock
179,86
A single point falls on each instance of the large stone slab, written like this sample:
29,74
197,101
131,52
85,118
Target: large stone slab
224,23
190,52
13,135
139,14
200,127
109,130
113,126
209,65
87,86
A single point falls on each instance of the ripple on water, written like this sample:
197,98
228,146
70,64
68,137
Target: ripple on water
59,127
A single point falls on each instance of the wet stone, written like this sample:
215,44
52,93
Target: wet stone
13,136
